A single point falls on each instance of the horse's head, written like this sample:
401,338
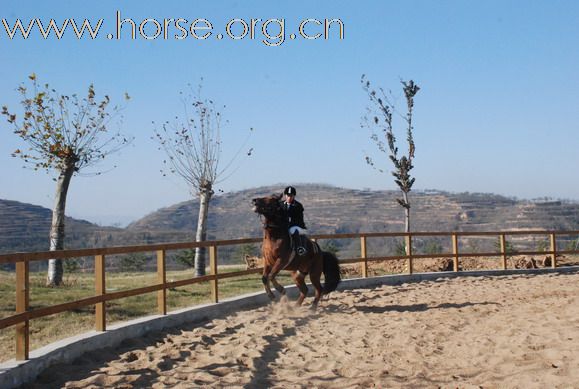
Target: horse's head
270,207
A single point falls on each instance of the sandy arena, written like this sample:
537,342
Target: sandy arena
492,332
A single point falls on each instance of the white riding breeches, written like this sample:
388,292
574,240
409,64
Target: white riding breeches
300,230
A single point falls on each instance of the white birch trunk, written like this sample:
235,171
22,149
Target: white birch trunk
55,269
205,194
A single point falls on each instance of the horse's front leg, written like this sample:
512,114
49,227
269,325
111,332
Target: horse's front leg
277,267
265,281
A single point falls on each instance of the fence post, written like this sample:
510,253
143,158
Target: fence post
100,290
363,255
455,252
554,250
213,265
408,239
22,300
503,241
161,279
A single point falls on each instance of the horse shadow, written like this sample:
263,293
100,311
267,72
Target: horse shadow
416,307
263,369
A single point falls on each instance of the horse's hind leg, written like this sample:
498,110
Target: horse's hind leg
299,279
315,278
265,281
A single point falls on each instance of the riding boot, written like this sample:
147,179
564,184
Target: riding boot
299,244
295,241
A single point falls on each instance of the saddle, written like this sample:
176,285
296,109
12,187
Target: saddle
299,245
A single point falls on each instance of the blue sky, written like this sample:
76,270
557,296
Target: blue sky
498,110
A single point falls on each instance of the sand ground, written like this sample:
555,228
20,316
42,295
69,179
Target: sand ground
491,332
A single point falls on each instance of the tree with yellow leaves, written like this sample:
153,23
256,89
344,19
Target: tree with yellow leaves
64,134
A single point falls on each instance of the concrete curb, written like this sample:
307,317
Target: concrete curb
361,283
15,373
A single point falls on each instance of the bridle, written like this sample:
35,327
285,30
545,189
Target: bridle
268,224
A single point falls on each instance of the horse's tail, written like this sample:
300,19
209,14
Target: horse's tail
331,272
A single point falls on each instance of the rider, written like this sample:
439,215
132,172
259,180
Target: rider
295,215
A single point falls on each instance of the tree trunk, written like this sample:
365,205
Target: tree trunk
205,194
406,217
55,269
406,212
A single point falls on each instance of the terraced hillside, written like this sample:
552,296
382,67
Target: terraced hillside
24,227
335,210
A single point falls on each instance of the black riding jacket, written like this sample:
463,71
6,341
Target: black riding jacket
294,213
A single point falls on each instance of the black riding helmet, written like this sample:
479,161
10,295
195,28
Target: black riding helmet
290,191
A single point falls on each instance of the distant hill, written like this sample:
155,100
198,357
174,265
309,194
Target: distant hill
337,210
25,227
328,209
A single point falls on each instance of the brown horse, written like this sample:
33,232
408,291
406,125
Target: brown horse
278,255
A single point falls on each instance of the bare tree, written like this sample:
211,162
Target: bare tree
64,134
193,147
380,116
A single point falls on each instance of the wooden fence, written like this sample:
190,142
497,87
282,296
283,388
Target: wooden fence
24,314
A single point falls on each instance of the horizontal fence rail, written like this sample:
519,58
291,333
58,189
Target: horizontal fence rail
23,314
